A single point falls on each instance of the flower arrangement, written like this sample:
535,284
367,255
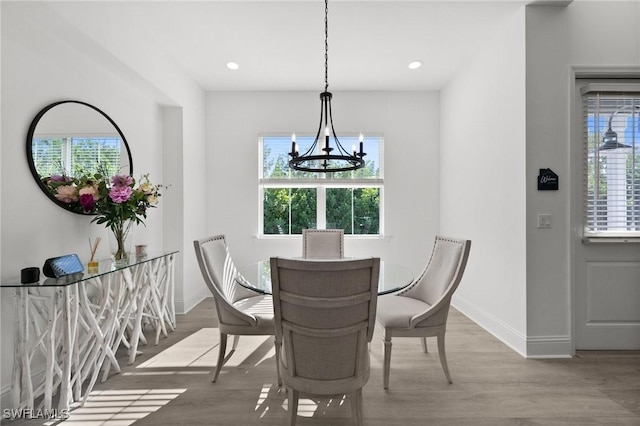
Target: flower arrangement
116,201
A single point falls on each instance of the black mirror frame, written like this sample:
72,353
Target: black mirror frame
32,165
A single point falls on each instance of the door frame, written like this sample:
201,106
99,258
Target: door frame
576,169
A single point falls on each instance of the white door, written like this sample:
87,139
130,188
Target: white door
606,275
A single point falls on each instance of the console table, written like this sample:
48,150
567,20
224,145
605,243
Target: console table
75,324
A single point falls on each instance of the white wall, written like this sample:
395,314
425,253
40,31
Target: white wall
559,40
45,59
410,123
483,185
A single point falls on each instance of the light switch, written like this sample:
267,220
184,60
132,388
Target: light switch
544,221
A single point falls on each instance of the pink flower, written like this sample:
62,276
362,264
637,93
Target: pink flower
120,194
87,202
122,180
67,193
89,190
59,178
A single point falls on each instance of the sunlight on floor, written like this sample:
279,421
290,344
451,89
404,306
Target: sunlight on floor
306,407
119,407
201,350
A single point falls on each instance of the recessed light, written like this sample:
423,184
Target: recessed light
232,65
415,65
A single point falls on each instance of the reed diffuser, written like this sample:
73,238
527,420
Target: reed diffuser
93,265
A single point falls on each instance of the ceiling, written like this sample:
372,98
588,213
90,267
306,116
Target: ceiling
279,45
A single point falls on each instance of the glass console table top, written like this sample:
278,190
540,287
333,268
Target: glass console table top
106,266
257,277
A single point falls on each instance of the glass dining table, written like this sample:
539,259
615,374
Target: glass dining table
257,276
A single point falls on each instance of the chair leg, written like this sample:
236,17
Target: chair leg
293,405
387,360
277,345
236,338
443,356
221,352
424,344
356,406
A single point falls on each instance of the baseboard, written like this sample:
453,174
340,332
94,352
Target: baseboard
527,346
37,375
501,331
5,396
549,347
183,307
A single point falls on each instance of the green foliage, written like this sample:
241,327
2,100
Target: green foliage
289,206
356,210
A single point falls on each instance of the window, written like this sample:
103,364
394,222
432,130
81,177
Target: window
612,160
291,201
74,156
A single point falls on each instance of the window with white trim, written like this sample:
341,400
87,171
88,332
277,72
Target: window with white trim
611,126
291,201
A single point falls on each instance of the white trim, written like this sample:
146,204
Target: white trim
611,240
609,87
500,330
545,347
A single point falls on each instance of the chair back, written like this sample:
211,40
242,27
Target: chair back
219,273
324,317
323,243
443,272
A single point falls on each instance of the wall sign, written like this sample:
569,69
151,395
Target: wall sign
547,180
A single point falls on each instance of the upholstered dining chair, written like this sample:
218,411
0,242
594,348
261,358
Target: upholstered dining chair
323,243
421,310
324,320
240,311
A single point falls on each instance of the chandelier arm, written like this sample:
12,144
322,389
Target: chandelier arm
314,145
341,148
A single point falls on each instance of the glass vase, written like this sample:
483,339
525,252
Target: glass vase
120,239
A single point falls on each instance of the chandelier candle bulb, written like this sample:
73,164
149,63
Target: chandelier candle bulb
326,138
353,148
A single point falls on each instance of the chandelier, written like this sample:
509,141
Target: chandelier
331,159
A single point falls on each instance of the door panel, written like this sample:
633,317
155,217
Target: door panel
608,303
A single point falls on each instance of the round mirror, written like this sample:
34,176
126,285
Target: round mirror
69,139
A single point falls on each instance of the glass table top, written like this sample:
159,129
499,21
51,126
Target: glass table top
257,277
105,266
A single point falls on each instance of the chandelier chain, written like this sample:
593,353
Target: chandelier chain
326,45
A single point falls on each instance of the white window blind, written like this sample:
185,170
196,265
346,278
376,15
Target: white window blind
611,126
75,156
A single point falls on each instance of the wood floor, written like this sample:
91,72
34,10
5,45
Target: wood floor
170,384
